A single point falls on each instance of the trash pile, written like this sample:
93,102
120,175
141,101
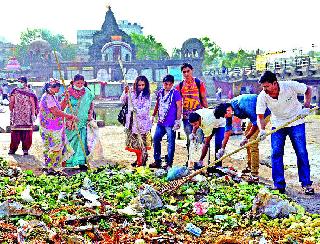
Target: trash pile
113,204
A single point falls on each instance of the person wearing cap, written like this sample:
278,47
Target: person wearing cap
23,110
282,100
168,108
81,100
52,127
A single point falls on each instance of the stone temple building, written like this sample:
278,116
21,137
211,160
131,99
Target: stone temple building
99,52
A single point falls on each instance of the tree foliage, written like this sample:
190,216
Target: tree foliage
212,51
148,48
57,42
238,59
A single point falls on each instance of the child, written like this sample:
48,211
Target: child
168,107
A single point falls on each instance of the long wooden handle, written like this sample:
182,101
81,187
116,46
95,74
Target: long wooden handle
71,109
246,145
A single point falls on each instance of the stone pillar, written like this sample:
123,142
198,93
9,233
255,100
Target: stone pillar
154,75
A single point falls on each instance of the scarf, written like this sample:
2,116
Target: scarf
164,104
75,93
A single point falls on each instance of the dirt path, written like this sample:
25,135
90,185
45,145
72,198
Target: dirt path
112,138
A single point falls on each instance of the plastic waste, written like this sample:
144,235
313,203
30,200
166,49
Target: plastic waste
62,195
92,197
271,205
200,208
193,229
199,178
149,198
159,173
25,195
177,172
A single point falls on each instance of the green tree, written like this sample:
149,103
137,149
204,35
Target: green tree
57,42
240,59
212,51
176,53
148,48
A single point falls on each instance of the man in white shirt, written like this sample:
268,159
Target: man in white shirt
211,126
281,99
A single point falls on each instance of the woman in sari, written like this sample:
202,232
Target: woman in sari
81,100
141,103
52,127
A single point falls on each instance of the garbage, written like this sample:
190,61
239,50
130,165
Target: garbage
193,229
139,241
92,197
171,208
200,208
271,205
160,173
177,172
149,198
25,195
199,178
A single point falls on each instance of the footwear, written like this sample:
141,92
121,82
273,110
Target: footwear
281,190
134,164
83,167
253,179
155,165
25,153
247,170
308,190
197,166
11,152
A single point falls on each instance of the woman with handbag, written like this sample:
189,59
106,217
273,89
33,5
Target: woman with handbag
139,129
81,100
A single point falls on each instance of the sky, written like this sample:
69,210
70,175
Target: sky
270,25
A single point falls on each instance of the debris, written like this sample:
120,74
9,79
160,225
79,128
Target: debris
271,205
193,229
177,172
25,195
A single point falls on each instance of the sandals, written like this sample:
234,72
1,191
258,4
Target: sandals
308,190
253,179
247,170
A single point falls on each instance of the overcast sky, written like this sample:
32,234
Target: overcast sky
233,24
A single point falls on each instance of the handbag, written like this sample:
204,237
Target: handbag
122,114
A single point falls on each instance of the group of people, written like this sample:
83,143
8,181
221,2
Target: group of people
63,123
277,102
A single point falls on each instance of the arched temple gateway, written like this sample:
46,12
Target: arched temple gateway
104,47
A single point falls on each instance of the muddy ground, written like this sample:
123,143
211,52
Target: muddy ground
112,138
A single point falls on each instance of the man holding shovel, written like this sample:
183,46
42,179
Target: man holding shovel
281,99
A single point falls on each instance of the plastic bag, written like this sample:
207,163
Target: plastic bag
93,141
177,172
149,198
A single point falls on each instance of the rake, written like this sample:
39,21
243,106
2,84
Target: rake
173,185
70,106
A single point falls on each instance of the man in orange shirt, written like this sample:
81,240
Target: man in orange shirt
194,97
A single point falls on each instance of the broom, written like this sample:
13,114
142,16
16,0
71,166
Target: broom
71,109
134,114
172,186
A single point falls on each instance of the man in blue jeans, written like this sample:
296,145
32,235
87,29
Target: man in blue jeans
281,99
168,107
